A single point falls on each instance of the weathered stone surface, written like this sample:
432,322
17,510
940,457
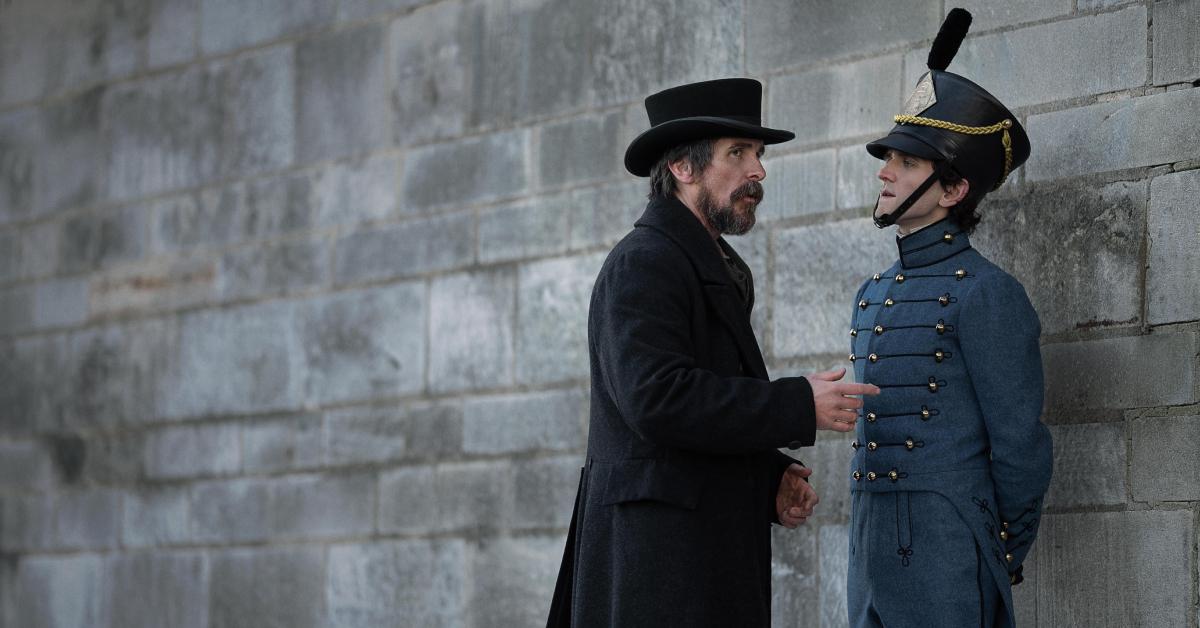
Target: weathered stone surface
173,36
513,580
433,52
552,306
39,250
287,444
1172,292
29,394
10,256
111,374
365,9
580,150
107,459
1025,597
275,269
62,591
60,303
289,508
25,466
450,497
97,240
19,162
857,183
1176,41
185,129
478,169
356,191
245,359
989,15
818,270
16,309
328,67
1096,233
471,332
398,584
180,452
797,184
227,24
154,285
1165,466
525,229
602,215
795,596
173,589
87,519
1142,577
851,100
26,523
1146,131
544,491
267,588
413,247
1089,465
415,431
552,420
154,517
835,543
1134,372
235,213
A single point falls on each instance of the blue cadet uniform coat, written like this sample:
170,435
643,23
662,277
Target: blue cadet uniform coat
951,459
673,516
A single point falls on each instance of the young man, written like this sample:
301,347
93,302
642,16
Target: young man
951,459
683,475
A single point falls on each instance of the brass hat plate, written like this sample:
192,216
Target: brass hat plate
922,97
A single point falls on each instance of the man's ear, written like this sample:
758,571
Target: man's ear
954,193
682,170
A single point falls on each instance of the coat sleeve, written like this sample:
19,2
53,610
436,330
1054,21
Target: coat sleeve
998,333
639,331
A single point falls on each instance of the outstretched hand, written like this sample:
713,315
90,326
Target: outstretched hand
835,407
796,498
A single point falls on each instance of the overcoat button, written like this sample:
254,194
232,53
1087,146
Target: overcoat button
1004,525
889,303
873,358
878,329
893,475
871,476
947,237
1003,535
899,278
871,417
872,446
1008,557
862,305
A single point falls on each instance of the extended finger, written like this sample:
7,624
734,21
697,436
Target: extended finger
849,388
830,376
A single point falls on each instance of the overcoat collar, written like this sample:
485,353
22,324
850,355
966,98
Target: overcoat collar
673,219
932,244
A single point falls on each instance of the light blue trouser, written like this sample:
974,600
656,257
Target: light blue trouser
913,562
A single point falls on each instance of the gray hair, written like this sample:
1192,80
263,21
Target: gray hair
697,153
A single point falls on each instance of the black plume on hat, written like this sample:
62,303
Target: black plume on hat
948,39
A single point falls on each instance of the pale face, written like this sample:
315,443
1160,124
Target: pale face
901,174
730,188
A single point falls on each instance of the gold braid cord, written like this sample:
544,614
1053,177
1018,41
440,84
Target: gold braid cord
1003,125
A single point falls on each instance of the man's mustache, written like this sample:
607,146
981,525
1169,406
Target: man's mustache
752,189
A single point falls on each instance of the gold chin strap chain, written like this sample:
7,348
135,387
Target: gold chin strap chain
1003,125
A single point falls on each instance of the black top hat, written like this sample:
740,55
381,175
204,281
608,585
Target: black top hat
949,118
729,107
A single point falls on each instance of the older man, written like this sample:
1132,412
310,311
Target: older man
683,475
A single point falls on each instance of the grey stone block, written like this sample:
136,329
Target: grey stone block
818,270
1135,372
990,15
853,100
367,9
1089,465
156,284
414,431
358,191
858,183
328,67
1118,64
27,523
246,359
785,33
70,151
62,591
156,517
19,163
108,459
797,185
111,375
544,492
193,450
364,344
1099,5
29,69
1164,465
1176,44
173,589
268,588
39,250
60,302
398,584
267,270
1133,133
464,497
471,335
1140,576
97,240
87,519
602,215
835,560
414,247
1172,292
25,466
1025,598
526,229
1070,246
173,36
226,25
16,309
10,255
287,444
433,53
467,171
795,594
290,508
540,421
552,313
513,580
580,150
28,387
232,118
234,511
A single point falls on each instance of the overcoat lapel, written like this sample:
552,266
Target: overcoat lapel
672,218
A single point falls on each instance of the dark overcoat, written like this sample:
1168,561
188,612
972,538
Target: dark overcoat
676,500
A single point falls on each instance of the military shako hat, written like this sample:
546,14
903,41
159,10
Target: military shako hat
729,107
950,118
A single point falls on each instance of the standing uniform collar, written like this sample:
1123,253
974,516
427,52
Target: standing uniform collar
932,244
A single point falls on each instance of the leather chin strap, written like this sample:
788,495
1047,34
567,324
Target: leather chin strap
888,220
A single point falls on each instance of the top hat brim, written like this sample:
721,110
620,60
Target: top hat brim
647,148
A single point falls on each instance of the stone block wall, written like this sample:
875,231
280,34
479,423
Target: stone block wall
293,293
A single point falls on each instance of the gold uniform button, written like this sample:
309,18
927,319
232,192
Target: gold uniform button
878,329
872,446
877,277
889,303
862,305
937,355
857,476
871,476
1003,535
939,328
871,417
947,237
933,386
958,274
899,279
854,445
873,357
853,357
909,444
1008,557
853,333
925,414
893,475
943,300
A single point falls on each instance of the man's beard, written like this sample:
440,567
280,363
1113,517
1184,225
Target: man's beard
726,219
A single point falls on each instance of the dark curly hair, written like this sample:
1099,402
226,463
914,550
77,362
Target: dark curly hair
698,153
962,213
